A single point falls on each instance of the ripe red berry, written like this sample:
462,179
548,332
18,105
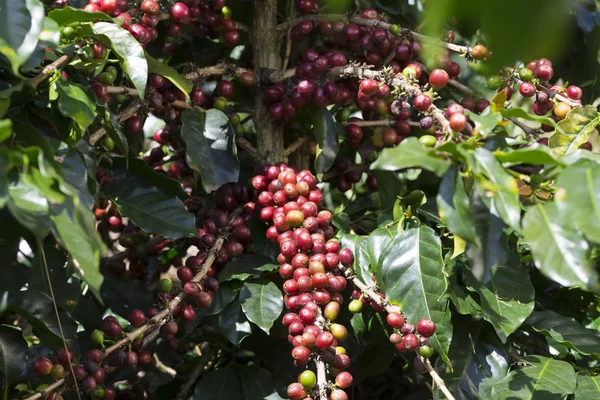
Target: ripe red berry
458,122
42,366
301,353
574,92
180,12
369,86
544,72
64,356
109,6
185,274
343,380
410,342
137,318
527,89
426,327
295,391
346,257
438,78
422,102
324,340
112,327
395,320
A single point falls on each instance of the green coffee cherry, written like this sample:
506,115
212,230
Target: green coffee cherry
428,140
166,285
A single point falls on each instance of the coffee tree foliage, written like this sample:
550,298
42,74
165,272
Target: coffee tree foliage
153,245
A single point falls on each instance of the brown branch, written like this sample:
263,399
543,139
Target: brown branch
246,145
152,324
124,115
296,145
215,70
122,90
372,23
207,354
50,68
383,303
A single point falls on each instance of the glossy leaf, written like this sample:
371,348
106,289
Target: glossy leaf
588,387
75,229
573,131
220,384
246,266
410,153
13,351
536,154
74,103
566,331
453,206
517,112
20,26
234,324
479,359
498,185
262,302
257,383
580,201
559,251
128,50
506,300
147,206
211,148
377,243
68,15
156,67
115,130
38,310
5,129
326,136
541,377
412,276
123,296
358,245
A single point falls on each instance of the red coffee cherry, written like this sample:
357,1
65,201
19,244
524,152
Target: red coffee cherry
426,327
438,78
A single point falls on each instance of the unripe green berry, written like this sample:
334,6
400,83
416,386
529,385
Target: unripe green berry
308,379
98,336
226,11
109,144
526,74
166,285
395,29
426,351
493,82
428,140
355,306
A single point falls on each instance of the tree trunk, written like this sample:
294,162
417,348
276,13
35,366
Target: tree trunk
266,53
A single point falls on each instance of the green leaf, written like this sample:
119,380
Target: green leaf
581,199
559,251
536,154
412,276
29,206
234,324
75,172
566,331
227,292
20,26
115,132
246,266
156,67
5,129
75,103
453,206
218,385
37,308
573,131
540,378
211,148
75,229
479,359
410,153
128,50
68,15
358,245
66,287
262,303
517,112
506,300
377,243
147,206
141,169
588,387
496,186
326,137
257,383
485,122
389,188
13,352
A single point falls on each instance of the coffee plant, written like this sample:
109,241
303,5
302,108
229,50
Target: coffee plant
299,199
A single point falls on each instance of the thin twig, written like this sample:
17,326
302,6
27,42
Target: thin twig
383,303
122,90
296,145
124,115
60,328
215,70
59,63
152,324
246,145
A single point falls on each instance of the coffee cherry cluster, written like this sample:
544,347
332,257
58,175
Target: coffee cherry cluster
209,18
310,262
